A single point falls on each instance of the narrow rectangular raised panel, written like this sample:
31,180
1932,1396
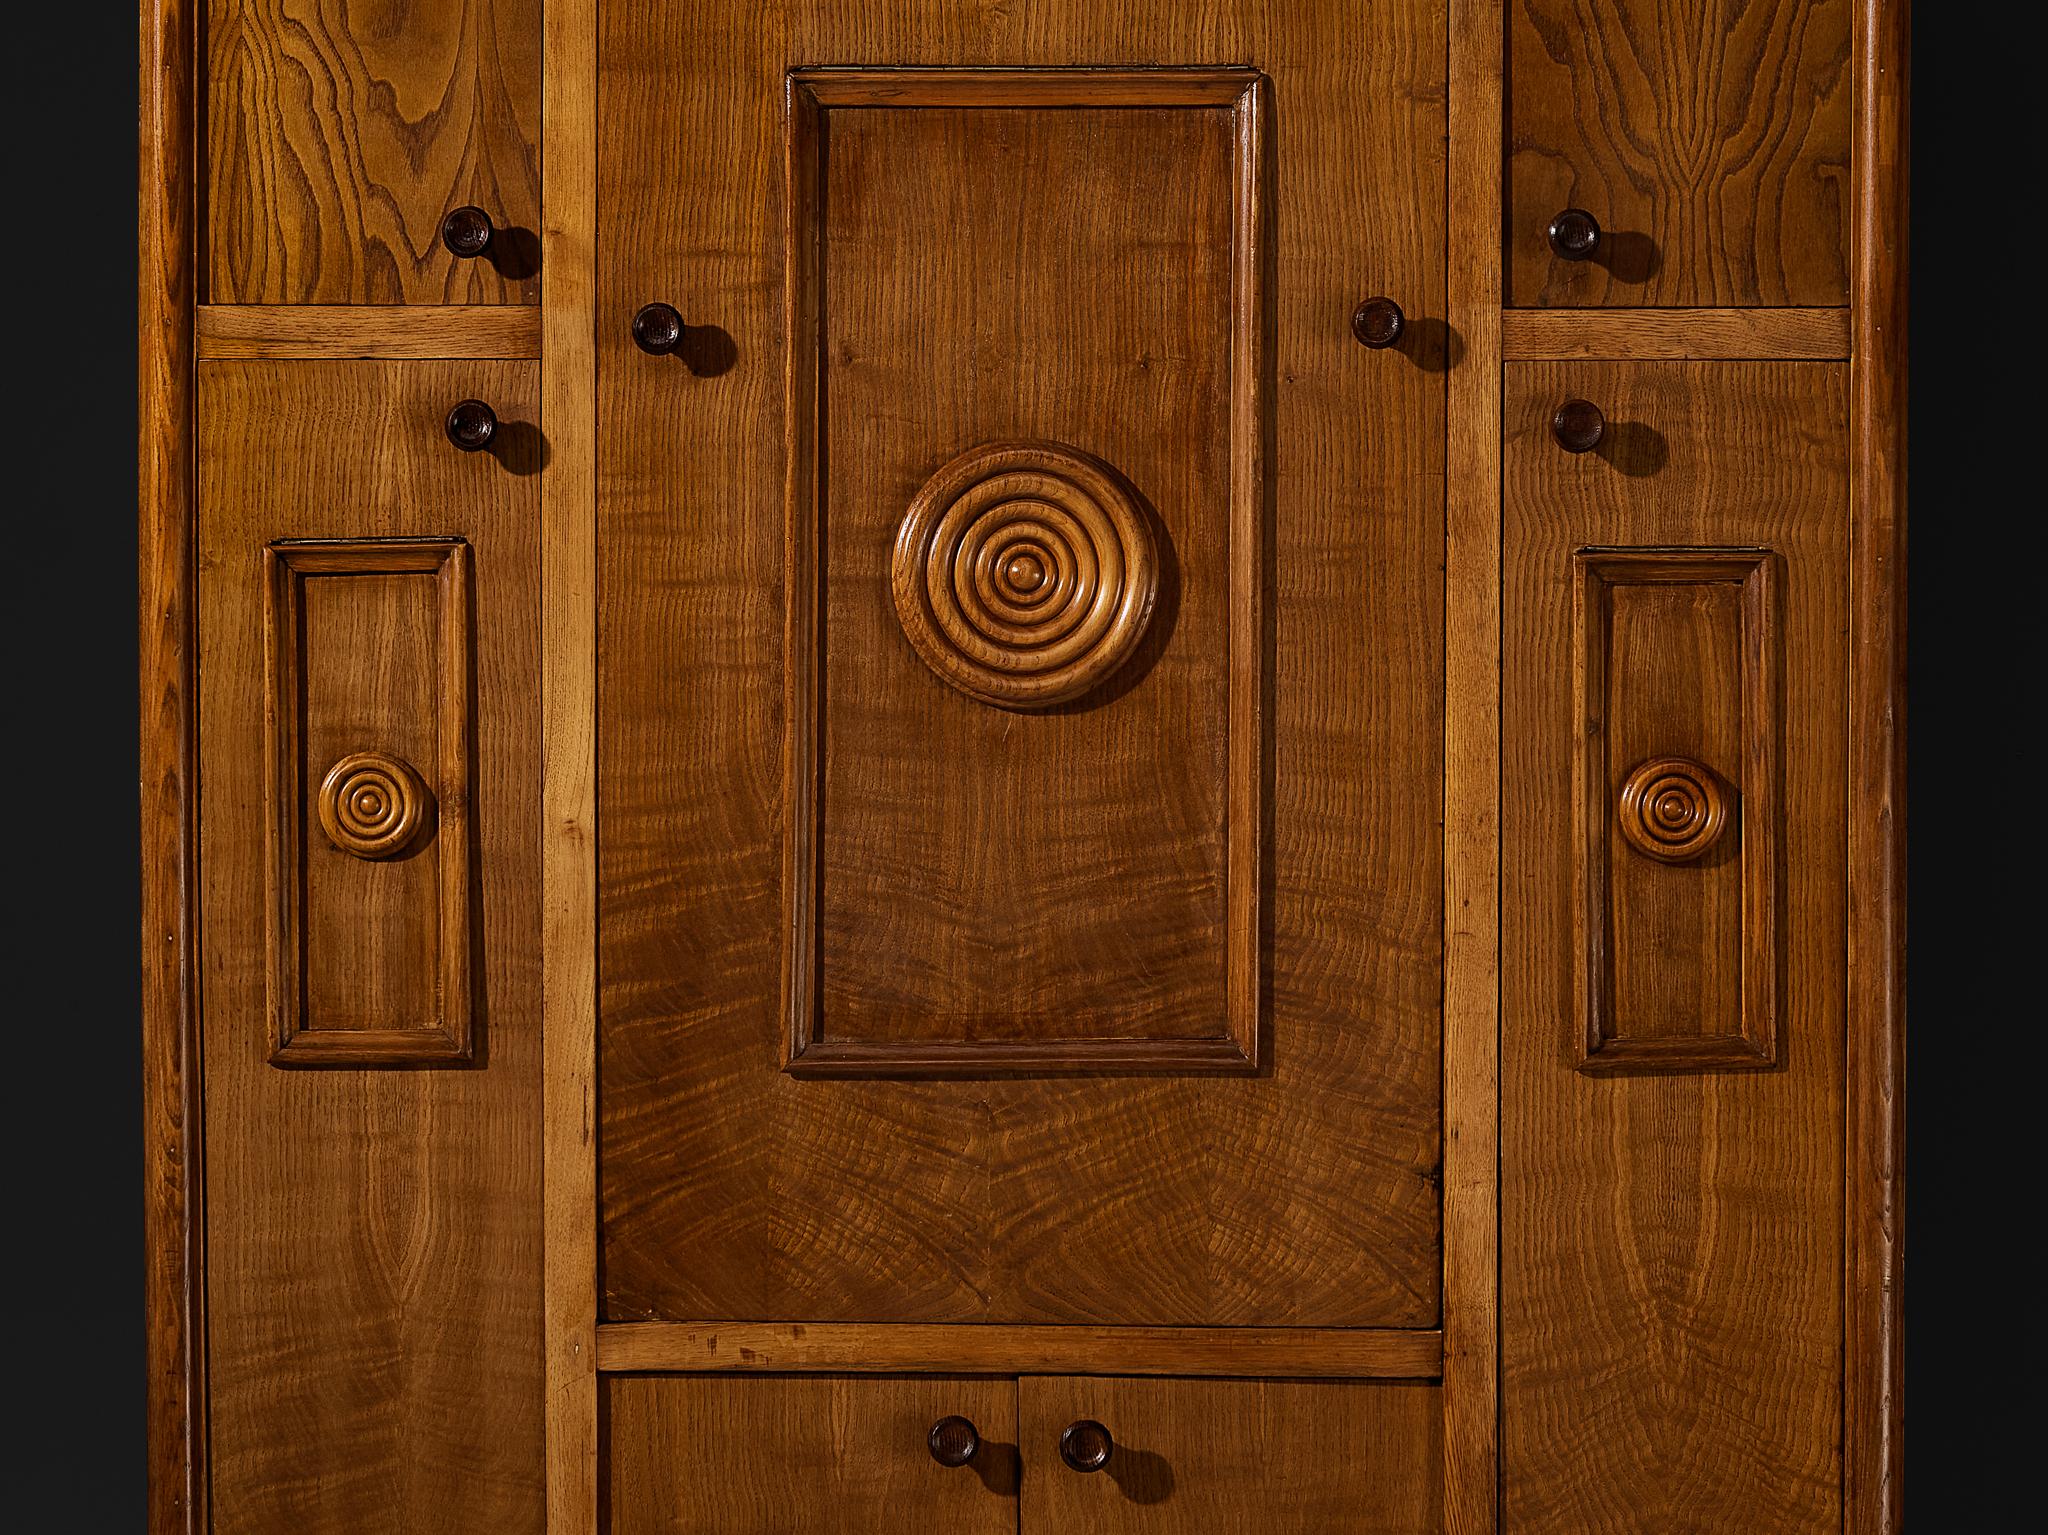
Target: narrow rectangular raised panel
367,742
964,928
1679,736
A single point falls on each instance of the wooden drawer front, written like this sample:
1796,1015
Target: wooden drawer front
1206,1457
768,1455
368,592
339,136
1710,141
1672,1026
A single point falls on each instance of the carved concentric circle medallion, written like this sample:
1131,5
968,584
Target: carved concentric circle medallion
373,805
1025,573
1673,809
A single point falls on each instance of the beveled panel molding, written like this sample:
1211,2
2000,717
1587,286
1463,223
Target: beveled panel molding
1677,769
369,918
1025,570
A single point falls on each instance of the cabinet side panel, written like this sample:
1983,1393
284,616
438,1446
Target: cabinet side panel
1671,1301
373,1252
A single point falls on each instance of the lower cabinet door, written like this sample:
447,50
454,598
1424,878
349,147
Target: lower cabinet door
1229,1457
824,1455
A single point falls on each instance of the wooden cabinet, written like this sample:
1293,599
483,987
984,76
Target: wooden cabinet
1103,767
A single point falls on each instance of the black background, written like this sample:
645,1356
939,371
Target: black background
73,1218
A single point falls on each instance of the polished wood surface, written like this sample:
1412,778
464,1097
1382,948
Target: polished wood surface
1020,868
1197,1457
174,1187
369,331
1677,657
1472,786
1678,335
568,825
1710,141
1671,1254
857,1347
339,137
373,1236
368,667
769,1455
1873,1276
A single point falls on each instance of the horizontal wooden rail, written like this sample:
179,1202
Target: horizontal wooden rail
387,330
997,1349
1682,335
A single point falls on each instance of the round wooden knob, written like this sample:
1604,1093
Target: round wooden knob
1378,322
953,1441
1577,425
1085,1445
658,329
467,232
1574,235
1673,809
471,425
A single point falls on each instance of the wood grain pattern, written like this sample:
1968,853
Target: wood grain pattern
1677,961
1234,1457
1472,786
174,1203
853,1347
916,942
386,331
1710,140
568,840
373,1238
1678,335
1873,1354
340,136
1306,1197
1671,1261
367,652
769,1455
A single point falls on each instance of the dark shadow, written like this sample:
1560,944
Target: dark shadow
707,350
1000,1467
1142,1476
1628,256
1635,448
519,447
1433,345
514,253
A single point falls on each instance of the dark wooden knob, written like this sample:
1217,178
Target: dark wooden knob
1574,235
1577,425
467,232
1085,1445
471,425
658,329
1378,322
953,1441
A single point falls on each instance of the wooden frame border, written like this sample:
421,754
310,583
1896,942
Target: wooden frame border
1475,190
174,1254
569,1263
1873,1203
286,564
861,1348
1243,92
1760,815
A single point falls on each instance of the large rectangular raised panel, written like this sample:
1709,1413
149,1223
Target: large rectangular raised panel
367,745
975,817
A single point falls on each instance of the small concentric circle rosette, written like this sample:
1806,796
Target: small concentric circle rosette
373,805
1673,809
1025,573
